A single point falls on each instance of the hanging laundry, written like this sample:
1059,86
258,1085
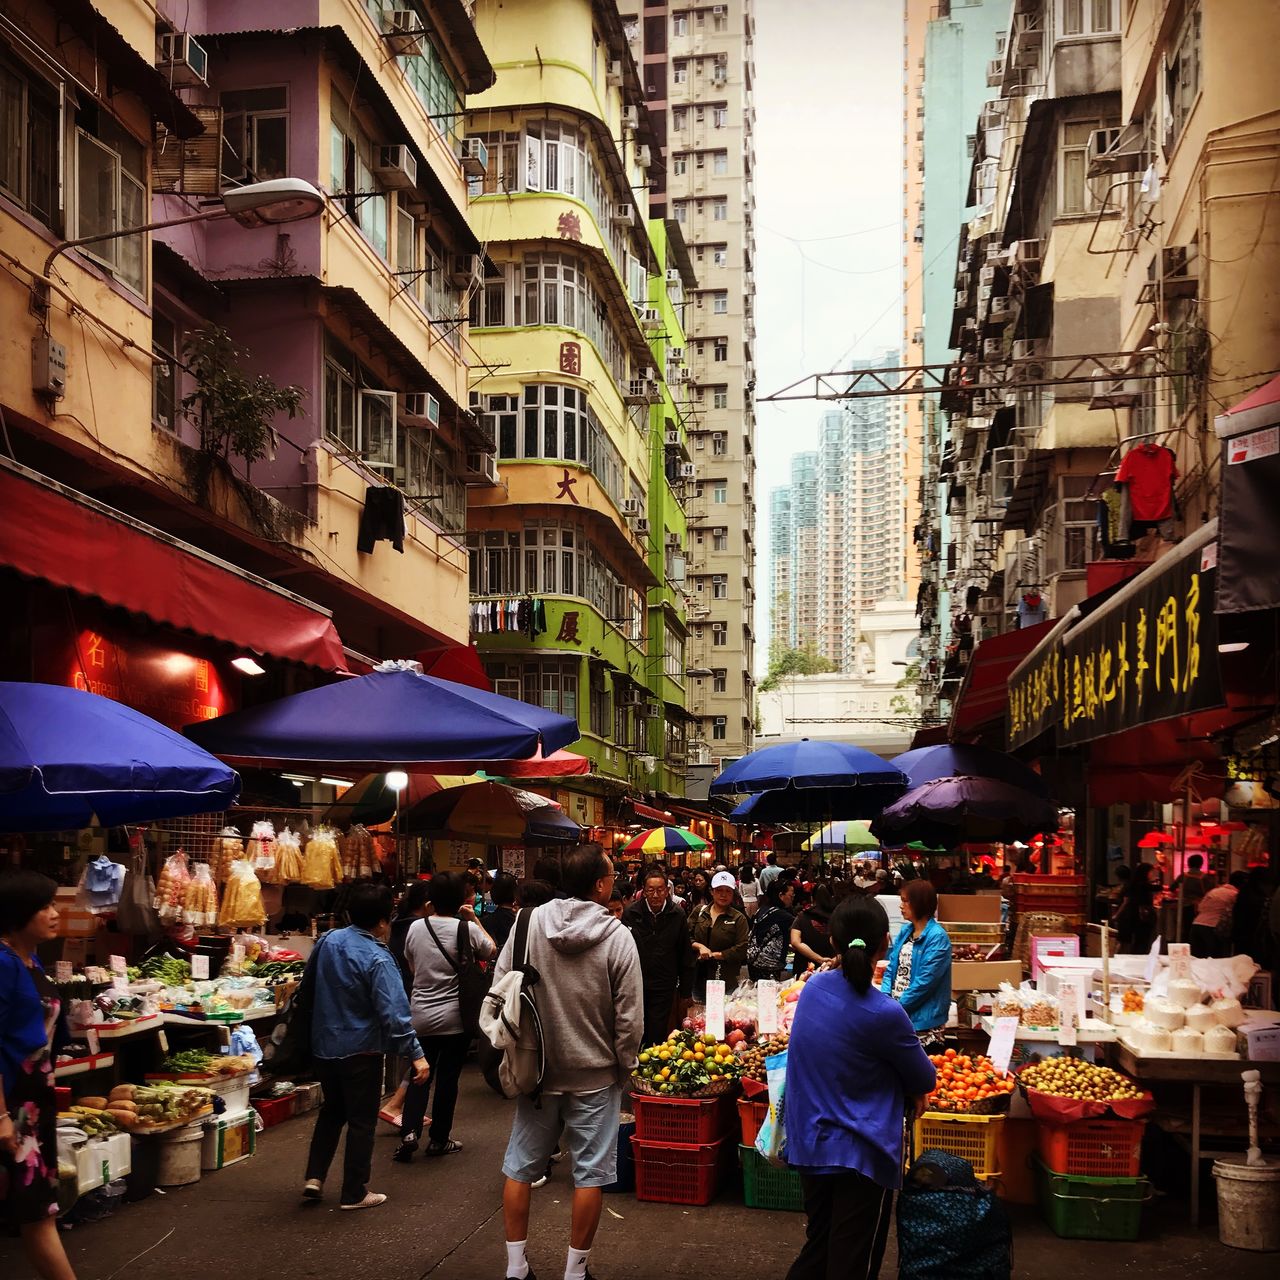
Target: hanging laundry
100,885
382,519
1149,471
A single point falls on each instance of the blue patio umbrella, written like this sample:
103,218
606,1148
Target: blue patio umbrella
810,781
957,760
71,759
385,720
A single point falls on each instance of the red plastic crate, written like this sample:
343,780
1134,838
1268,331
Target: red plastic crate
672,1173
1092,1148
751,1115
684,1121
273,1111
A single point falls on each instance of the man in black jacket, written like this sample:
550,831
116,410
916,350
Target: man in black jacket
661,933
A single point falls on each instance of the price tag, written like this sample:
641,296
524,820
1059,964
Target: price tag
1179,960
237,954
715,1009
1153,960
1068,1013
164,1040
63,971
200,968
1000,1050
95,1045
118,965
767,1011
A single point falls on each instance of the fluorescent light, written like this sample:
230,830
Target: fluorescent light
298,782
249,666
1233,646
397,780
335,782
300,778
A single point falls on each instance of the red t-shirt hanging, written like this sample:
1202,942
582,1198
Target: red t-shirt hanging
1149,471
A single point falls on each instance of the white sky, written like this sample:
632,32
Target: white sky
828,165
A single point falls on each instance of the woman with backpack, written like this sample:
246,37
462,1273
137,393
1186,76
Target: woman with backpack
432,949
854,1068
771,929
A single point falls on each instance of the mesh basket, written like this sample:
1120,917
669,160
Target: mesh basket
751,1116
766,1186
1079,1208
973,1138
1092,1148
685,1121
673,1174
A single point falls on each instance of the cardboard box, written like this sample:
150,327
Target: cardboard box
969,908
984,975
1261,1043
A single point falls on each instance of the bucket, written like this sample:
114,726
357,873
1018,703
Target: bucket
180,1156
1248,1204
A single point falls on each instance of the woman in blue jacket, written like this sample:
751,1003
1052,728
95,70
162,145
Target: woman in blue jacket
854,1068
918,972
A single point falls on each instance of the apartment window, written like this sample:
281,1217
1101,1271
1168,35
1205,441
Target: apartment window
720,304
720,492
502,174
255,134
720,117
111,195
30,146
351,175
719,729
720,539
1182,76
601,708
720,257
680,165
719,446
699,443
1077,193
720,163
719,680
673,654
165,340
360,417
680,24
719,18
719,634
680,72
720,398
700,160
680,118
682,211
1088,17
720,210
719,586
548,683
721,351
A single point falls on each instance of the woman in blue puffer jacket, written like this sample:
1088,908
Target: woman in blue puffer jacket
918,972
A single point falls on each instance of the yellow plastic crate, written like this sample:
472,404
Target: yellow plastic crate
973,1138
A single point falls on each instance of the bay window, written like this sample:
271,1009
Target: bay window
111,196
255,134
351,154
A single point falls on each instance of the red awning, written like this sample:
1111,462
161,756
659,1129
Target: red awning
55,534
983,696
1259,409
656,816
457,662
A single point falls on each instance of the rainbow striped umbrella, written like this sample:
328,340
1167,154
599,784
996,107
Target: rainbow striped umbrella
851,837
665,840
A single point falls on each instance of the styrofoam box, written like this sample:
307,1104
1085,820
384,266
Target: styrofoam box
93,1165
234,1090
229,1138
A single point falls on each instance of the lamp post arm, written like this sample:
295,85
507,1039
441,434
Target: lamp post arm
204,216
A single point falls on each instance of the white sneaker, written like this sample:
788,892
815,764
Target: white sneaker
371,1201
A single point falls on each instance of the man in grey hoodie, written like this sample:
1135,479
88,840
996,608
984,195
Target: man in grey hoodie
590,998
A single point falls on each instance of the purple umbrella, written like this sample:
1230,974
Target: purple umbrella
960,760
948,812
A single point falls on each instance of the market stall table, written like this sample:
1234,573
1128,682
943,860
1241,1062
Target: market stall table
1196,1072
1090,1031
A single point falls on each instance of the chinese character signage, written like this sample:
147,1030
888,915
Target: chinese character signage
1149,655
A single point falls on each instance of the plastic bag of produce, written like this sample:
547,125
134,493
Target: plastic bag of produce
771,1141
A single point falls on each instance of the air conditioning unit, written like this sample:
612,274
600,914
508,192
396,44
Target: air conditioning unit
1029,348
993,114
673,275
672,540
641,527
995,72
1115,393
678,570
473,155
644,155
397,167
673,438
653,710
481,469
650,317
1178,270
1001,309
464,269
688,471
680,374
720,74
675,355
418,409
1026,255
642,391
992,349
614,74
631,508
622,215
721,720
183,59
1117,151
403,33
631,118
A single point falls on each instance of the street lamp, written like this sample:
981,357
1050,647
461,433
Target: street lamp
257,204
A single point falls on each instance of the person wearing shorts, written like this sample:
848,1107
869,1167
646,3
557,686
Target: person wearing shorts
590,1000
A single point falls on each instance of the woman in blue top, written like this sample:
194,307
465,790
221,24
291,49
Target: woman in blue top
29,1008
854,1067
918,973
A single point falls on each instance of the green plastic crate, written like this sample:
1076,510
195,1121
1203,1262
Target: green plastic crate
765,1186
1080,1208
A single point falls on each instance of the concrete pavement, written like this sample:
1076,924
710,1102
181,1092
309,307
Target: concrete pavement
443,1221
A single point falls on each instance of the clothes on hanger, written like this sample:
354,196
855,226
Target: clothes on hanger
525,614
382,519
100,885
1148,471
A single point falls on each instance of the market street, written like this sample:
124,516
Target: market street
443,1220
